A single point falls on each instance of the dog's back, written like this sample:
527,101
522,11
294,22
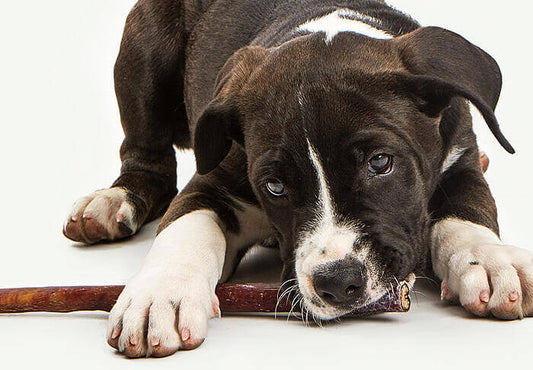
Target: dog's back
228,26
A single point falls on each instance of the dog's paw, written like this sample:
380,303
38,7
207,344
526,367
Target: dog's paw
104,215
491,279
157,315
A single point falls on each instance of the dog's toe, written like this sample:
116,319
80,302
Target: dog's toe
474,290
506,299
192,325
104,215
132,340
163,339
524,268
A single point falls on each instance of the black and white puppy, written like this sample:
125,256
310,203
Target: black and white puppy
336,130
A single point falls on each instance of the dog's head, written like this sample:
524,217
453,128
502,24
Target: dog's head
344,145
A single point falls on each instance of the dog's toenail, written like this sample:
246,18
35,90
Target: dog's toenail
74,218
484,297
185,334
115,334
87,215
215,308
155,342
133,341
120,218
513,296
445,292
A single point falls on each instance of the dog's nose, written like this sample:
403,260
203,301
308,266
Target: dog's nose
341,282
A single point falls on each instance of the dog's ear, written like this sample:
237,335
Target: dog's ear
443,65
221,122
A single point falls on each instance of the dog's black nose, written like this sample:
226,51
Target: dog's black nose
341,282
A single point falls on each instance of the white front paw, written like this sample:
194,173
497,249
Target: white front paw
158,314
491,278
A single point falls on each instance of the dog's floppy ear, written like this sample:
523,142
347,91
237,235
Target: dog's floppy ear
221,122
444,65
213,135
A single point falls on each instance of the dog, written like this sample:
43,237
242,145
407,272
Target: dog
336,131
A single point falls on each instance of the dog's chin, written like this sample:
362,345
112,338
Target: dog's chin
326,312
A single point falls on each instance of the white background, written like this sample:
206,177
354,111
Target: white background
59,140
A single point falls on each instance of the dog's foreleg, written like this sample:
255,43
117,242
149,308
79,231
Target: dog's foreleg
166,306
475,267
149,89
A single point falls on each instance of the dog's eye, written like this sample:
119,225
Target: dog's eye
380,164
275,188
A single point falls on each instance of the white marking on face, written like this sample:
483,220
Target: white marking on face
327,240
453,156
344,20
324,198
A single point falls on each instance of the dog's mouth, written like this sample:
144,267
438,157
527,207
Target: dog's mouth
317,306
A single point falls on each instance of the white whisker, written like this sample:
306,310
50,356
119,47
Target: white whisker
286,293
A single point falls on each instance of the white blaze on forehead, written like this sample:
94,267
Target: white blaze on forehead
344,20
324,198
328,240
325,239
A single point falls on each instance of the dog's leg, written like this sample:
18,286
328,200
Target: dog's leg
475,267
166,306
149,88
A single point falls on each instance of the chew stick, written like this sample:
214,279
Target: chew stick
234,298
237,298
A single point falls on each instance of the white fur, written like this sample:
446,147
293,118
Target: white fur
327,215
325,239
453,156
337,21
178,278
108,207
472,262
